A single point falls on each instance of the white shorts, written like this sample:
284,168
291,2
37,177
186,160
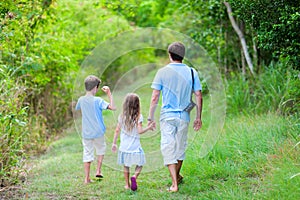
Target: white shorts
173,139
90,145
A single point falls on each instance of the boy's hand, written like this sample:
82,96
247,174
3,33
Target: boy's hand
105,89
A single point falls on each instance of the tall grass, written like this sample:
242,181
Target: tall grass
276,89
13,126
255,158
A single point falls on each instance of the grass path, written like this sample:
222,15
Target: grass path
253,159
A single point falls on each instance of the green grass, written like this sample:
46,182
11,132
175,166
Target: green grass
254,158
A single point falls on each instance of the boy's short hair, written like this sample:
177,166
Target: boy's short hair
91,81
177,51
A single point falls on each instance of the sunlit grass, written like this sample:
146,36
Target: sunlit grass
253,159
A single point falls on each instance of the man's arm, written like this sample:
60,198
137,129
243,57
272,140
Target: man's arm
199,103
153,105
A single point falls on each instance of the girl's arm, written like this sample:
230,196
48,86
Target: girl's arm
117,133
142,130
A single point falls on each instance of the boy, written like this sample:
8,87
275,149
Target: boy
93,127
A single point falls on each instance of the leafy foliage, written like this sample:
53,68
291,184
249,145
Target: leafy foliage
276,26
14,127
43,44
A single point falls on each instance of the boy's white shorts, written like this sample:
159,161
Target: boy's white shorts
90,145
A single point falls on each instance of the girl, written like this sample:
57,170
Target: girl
130,151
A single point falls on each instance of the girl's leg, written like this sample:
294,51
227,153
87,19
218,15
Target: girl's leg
137,172
126,176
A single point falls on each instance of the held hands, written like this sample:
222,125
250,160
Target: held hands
197,124
114,148
151,125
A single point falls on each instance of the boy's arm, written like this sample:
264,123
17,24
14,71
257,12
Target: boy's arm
111,105
117,133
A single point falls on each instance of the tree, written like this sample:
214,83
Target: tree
241,36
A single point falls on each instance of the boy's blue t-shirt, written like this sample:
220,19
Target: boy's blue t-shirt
175,83
92,121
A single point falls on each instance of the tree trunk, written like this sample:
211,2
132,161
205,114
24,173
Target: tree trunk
241,36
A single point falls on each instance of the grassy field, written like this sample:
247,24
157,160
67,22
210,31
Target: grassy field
256,157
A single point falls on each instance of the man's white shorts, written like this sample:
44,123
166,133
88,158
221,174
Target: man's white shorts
173,139
90,145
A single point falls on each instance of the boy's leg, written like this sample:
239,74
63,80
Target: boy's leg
99,165
100,146
126,176
87,166
88,157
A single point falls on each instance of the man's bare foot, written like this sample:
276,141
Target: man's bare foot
179,179
172,189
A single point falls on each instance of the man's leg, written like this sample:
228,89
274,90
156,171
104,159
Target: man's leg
181,140
173,173
168,148
178,168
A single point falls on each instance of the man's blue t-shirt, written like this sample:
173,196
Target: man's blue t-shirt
175,83
92,121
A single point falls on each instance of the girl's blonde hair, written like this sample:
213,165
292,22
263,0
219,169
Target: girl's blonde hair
131,111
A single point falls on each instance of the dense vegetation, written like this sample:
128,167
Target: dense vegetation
44,42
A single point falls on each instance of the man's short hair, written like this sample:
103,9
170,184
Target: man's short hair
91,81
178,49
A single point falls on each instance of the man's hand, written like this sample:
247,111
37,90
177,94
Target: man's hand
152,125
197,124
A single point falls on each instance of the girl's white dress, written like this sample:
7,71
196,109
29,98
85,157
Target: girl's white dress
130,150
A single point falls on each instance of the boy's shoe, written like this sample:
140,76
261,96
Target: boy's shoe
99,176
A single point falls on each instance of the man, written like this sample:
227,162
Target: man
175,82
